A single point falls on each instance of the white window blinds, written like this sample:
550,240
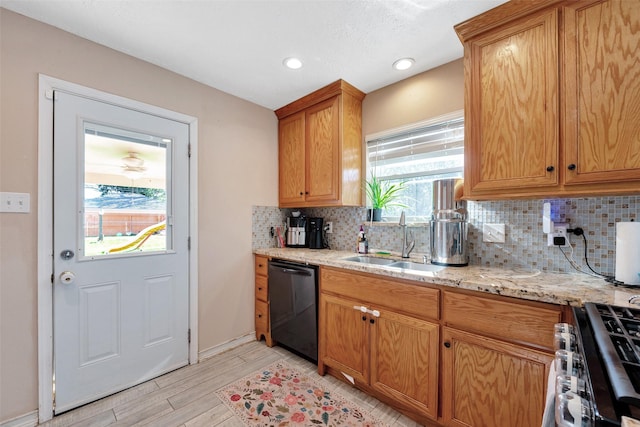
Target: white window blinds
438,140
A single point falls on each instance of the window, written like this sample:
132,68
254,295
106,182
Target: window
417,155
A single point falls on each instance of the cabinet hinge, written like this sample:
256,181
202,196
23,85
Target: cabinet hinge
189,243
189,150
189,336
52,278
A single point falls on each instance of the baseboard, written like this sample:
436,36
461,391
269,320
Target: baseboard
227,345
27,420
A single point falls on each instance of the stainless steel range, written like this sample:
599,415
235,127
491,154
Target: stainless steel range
598,367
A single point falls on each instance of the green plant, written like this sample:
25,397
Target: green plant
382,194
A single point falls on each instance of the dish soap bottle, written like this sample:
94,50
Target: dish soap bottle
363,244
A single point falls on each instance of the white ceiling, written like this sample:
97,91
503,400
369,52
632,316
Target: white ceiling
238,46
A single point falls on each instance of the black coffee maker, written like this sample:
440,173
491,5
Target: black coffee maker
316,233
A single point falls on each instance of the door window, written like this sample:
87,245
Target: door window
125,197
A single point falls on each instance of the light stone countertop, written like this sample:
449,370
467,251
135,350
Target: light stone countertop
573,289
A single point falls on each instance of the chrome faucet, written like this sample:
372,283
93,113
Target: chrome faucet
406,249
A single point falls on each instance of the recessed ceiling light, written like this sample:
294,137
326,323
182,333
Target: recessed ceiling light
403,64
293,63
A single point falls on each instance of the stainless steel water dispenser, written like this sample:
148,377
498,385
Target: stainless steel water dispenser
449,223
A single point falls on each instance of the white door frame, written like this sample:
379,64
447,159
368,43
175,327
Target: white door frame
46,85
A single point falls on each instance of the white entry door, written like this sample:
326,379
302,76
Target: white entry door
121,227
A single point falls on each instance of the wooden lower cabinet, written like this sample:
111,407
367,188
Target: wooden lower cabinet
441,356
491,383
404,361
344,337
393,354
262,321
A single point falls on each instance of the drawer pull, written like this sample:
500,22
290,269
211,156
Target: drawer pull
259,316
447,344
364,317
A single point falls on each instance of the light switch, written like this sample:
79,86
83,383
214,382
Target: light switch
15,202
493,233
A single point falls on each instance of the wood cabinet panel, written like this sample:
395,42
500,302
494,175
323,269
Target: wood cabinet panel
323,151
404,361
602,77
512,106
291,157
261,266
491,383
401,296
262,316
261,288
526,323
343,337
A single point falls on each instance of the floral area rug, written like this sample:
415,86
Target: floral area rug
278,395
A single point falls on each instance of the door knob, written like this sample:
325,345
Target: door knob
67,277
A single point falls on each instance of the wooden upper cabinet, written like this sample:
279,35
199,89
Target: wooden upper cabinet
511,106
323,151
602,80
552,99
291,158
320,148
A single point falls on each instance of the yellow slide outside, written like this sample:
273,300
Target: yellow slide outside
141,237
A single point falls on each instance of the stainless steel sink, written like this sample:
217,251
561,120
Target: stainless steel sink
408,265
370,260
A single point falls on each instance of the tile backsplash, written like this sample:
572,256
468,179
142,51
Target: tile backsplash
525,244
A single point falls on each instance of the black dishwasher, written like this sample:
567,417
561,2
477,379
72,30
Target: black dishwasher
293,296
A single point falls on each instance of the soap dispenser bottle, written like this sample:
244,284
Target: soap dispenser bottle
363,244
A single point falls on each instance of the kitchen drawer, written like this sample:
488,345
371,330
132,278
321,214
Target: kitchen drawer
262,266
261,288
400,295
262,316
523,322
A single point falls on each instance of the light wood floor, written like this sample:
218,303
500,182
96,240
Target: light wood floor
186,397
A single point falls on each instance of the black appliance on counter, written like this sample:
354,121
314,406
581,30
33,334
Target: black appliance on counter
607,342
293,296
316,233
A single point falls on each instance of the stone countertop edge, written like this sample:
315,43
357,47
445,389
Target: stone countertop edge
557,288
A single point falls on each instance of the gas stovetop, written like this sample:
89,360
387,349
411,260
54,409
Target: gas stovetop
617,333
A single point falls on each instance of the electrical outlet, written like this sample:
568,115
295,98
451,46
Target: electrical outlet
559,232
329,227
493,233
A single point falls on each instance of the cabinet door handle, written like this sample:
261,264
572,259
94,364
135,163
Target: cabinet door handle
447,344
550,168
372,321
259,316
571,167
364,317
259,289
